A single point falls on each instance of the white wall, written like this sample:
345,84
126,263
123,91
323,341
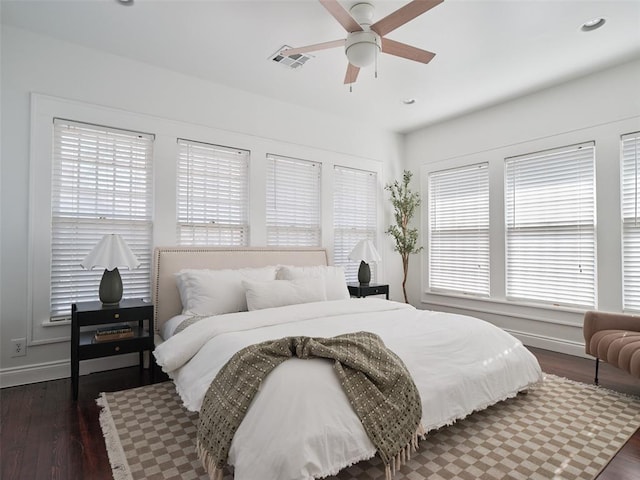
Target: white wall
598,107
36,64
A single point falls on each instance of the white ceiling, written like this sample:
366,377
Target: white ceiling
486,51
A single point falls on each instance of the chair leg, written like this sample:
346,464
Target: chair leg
597,363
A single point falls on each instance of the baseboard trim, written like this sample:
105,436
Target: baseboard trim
550,343
43,372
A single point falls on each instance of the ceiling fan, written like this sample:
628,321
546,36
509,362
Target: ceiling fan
365,40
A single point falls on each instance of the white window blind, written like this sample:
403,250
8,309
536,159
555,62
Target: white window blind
631,220
212,194
550,222
101,183
355,216
459,230
293,202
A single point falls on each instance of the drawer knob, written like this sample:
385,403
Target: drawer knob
116,315
117,349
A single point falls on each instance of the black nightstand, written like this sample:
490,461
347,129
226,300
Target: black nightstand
357,290
88,314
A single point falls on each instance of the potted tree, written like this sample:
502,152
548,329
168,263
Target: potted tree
404,203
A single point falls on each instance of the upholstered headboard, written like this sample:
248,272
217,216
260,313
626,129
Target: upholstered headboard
169,260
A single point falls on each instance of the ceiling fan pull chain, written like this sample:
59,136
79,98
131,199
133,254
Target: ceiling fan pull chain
375,71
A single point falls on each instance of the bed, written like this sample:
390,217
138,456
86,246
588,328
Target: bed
300,424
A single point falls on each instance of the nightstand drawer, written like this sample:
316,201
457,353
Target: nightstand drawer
118,347
110,316
358,290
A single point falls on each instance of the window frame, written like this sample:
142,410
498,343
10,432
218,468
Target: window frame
104,212
464,170
371,233
40,330
243,228
512,296
625,219
315,177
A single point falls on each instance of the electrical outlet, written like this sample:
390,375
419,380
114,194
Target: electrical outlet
19,347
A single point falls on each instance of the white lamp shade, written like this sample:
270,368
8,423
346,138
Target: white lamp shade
365,251
111,252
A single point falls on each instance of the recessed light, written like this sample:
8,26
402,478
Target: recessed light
593,24
409,101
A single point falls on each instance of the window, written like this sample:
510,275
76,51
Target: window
355,217
212,194
101,183
550,223
631,221
459,230
293,202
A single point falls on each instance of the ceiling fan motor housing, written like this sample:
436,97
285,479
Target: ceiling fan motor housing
362,13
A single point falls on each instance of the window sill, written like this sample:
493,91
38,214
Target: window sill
57,323
539,312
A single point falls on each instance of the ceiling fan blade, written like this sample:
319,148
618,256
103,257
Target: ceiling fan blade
403,15
313,48
343,17
352,74
406,51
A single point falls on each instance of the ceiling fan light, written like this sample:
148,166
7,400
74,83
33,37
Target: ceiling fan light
361,54
361,48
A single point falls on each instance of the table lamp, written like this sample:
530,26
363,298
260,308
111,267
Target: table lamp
366,252
111,252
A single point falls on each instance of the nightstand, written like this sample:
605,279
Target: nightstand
357,290
93,314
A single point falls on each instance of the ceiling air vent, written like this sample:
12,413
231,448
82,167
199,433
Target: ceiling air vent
294,61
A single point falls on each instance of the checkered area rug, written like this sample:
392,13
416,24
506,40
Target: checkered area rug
560,430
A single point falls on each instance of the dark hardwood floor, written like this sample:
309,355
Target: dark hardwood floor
46,435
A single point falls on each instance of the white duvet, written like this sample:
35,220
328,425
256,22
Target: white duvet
300,424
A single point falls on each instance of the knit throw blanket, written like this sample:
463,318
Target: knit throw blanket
375,380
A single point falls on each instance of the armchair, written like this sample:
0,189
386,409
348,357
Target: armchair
613,338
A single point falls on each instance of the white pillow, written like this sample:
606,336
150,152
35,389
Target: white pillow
333,277
214,292
279,293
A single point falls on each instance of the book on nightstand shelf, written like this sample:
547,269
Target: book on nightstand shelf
113,332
